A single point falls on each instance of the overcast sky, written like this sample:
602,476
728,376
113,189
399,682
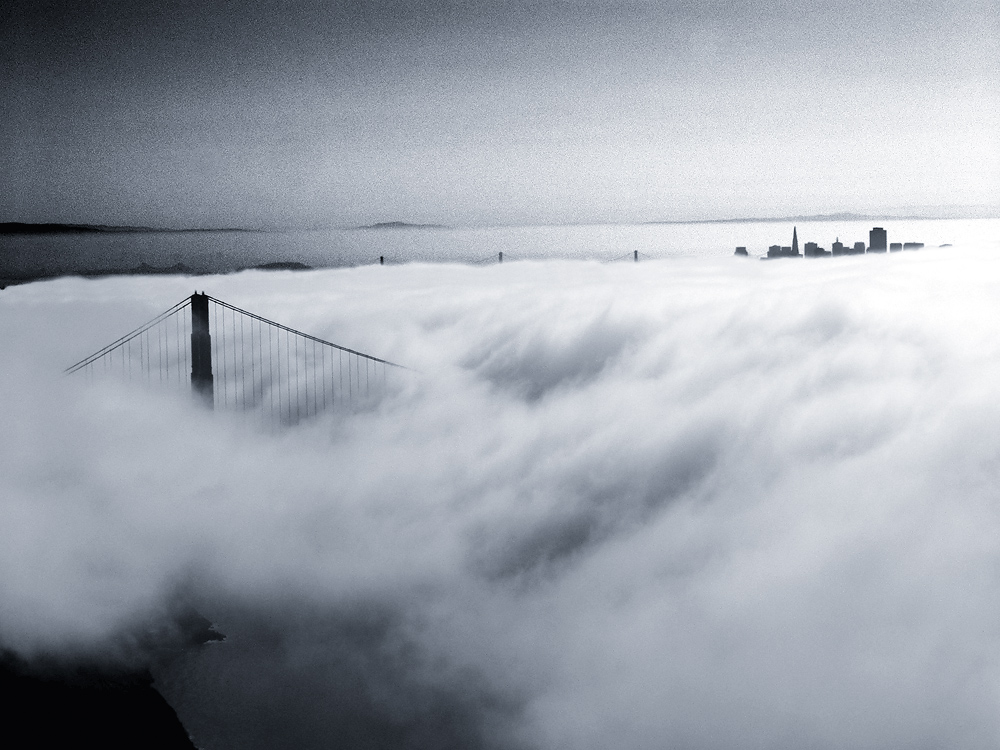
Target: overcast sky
333,113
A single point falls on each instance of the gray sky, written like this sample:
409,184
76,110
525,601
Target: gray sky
339,113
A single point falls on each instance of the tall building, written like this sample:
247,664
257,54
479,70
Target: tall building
838,247
877,240
795,241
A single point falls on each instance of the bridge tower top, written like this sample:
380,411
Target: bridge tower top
202,382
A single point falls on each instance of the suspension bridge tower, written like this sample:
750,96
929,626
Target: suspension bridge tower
202,383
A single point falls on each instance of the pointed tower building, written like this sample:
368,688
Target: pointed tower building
795,241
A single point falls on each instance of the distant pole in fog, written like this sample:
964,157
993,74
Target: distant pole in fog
381,260
501,256
201,351
635,254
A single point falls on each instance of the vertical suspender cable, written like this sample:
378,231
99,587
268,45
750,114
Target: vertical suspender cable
236,404
270,371
253,382
243,364
166,351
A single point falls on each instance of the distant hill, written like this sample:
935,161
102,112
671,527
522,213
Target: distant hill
283,265
143,269
788,219
17,227
401,225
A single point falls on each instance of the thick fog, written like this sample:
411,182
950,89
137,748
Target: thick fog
669,504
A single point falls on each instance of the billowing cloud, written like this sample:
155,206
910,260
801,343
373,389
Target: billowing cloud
679,503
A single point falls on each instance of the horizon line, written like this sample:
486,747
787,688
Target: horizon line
992,212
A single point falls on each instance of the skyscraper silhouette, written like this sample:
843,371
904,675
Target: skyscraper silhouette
877,240
795,241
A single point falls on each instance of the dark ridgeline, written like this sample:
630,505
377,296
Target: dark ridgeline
877,243
54,704
143,269
100,701
18,227
20,263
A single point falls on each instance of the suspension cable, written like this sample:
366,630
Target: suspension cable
127,337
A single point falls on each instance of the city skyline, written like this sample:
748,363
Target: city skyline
877,243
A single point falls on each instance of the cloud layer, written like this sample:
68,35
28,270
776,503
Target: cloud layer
679,503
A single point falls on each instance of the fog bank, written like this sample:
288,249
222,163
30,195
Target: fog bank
676,503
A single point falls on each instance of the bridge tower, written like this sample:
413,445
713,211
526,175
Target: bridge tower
202,382
281,374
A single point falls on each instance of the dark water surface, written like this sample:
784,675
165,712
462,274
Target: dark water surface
224,251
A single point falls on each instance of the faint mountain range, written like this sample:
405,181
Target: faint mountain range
282,265
401,225
17,227
843,216
909,213
968,211
143,269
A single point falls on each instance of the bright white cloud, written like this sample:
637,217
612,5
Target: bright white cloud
680,503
